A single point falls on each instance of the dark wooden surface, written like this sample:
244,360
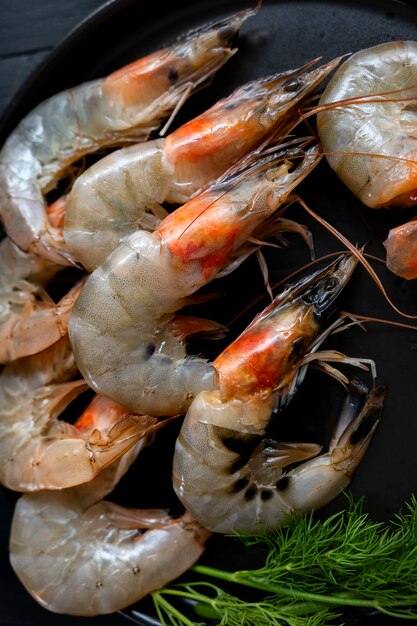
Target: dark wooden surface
28,32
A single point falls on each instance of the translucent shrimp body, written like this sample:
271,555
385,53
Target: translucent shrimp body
127,342
124,107
37,450
124,191
378,126
55,537
53,550
226,471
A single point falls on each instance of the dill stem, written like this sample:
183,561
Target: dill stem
170,609
340,599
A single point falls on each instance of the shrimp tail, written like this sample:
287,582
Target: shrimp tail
53,460
401,247
331,473
350,442
106,448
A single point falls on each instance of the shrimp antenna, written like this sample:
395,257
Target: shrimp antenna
358,254
364,99
361,319
284,280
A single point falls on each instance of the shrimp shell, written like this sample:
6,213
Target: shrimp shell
125,190
227,471
37,450
126,340
124,107
90,561
80,555
357,135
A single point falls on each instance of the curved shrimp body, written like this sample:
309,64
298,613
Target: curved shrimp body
127,342
125,190
37,450
401,247
53,550
378,126
124,107
54,538
225,471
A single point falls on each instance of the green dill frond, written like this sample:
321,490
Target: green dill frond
314,569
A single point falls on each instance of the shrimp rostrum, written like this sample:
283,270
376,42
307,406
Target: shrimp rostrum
125,190
125,106
127,341
55,537
227,471
38,451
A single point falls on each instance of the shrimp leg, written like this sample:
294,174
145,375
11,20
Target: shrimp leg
30,321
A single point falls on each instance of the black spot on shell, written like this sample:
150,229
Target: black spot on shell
226,32
149,350
266,494
239,485
283,483
298,348
241,444
251,492
237,465
293,85
173,74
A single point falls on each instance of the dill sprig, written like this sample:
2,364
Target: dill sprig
313,570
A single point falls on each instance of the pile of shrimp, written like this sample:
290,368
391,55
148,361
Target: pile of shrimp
138,236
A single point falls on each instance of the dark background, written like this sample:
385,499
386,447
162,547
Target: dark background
29,30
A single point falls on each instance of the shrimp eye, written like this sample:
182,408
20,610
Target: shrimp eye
295,152
292,85
226,32
172,74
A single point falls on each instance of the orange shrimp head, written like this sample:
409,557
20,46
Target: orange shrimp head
188,62
268,354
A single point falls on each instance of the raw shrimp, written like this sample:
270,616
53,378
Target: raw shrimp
226,471
376,90
401,246
30,321
127,342
124,107
55,537
124,191
37,450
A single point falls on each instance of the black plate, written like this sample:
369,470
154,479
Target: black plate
282,35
